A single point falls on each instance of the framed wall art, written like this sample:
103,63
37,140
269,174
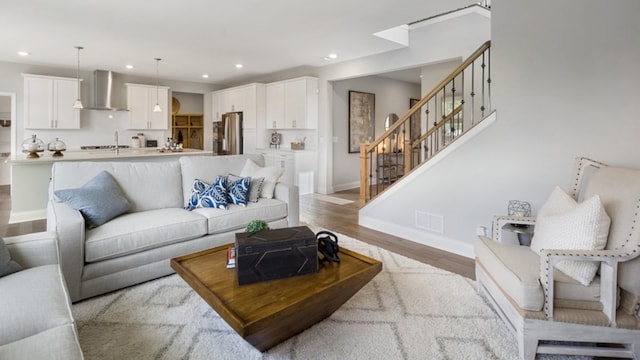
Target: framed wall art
361,119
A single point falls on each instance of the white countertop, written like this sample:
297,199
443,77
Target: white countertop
46,156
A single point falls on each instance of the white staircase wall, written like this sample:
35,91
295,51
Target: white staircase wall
565,84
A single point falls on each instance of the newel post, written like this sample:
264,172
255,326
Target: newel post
365,193
408,153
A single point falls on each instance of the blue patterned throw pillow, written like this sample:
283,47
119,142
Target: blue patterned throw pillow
204,195
238,190
215,196
198,188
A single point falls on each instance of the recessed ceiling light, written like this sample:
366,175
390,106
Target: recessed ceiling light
129,67
239,66
205,76
333,56
23,53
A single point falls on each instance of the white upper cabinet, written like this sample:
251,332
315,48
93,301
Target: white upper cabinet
141,100
292,104
48,103
275,106
247,99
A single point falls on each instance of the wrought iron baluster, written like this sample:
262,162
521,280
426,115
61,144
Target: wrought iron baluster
489,78
473,92
482,108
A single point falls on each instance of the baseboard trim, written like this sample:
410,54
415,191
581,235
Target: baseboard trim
22,216
421,237
346,186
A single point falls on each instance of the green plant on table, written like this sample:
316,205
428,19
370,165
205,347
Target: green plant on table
257,225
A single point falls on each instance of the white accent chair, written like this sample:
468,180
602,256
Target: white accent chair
550,313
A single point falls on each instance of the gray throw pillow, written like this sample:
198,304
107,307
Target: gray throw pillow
254,189
7,266
99,200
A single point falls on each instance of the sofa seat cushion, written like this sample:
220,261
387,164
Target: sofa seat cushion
59,343
140,231
31,301
237,217
516,269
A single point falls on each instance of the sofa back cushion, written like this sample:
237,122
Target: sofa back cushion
147,185
207,168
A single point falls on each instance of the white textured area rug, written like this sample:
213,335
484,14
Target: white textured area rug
408,311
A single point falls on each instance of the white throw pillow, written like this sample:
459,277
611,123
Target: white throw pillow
271,174
562,223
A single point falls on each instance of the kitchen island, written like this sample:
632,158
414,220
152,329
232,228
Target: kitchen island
30,177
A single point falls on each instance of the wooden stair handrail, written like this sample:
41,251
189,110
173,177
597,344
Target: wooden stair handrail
476,54
411,146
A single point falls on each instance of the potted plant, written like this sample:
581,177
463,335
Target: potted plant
257,225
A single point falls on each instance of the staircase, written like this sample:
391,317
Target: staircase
445,114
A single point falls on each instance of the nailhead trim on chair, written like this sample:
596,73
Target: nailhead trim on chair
574,194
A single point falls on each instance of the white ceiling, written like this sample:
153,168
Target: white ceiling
194,37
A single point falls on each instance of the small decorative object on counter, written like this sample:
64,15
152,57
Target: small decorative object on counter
57,146
143,140
135,142
33,146
257,225
298,144
276,139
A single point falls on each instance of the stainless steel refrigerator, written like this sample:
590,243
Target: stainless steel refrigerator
227,134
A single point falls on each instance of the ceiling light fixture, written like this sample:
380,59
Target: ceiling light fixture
239,66
157,107
205,76
333,56
78,103
129,67
23,53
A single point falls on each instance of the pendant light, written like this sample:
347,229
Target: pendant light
78,103
157,107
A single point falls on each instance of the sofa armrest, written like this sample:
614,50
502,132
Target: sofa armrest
289,194
70,227
500,221
33,250
608,260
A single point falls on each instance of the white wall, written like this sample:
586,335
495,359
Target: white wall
565,78
190,103
390,96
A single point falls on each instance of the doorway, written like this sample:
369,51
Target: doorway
7,122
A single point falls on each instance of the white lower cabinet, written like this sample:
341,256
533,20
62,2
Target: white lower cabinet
299,167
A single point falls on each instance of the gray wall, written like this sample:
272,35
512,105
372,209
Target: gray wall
391,96
565,84
190,103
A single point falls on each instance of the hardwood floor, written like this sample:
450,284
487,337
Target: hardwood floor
344,219
340,218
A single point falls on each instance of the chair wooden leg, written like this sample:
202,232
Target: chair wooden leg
527,346
635,350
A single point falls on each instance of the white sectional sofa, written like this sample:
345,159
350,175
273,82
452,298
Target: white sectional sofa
35,310
137,246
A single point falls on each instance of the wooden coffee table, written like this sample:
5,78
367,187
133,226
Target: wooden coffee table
267,313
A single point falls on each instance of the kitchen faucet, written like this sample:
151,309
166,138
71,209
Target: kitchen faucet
117,146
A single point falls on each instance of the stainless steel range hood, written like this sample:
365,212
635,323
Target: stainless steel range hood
105,96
